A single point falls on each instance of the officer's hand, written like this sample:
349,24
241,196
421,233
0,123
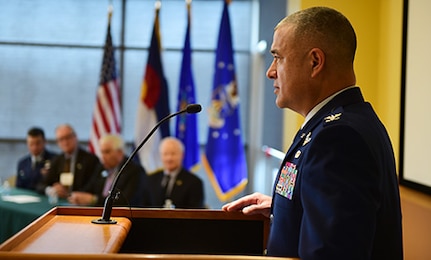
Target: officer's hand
255,203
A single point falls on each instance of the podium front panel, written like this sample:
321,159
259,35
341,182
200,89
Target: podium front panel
195,236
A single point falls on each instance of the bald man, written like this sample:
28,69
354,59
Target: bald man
73,168
175,186
132,182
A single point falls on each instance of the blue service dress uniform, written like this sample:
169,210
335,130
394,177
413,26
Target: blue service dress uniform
29,174
336,194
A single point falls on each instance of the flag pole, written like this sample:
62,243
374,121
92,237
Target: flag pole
110,10
157,6
188,5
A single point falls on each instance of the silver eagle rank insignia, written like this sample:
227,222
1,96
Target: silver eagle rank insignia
331,118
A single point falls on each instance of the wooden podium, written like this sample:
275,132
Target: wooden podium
67,233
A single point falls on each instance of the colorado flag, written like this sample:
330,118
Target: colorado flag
153,104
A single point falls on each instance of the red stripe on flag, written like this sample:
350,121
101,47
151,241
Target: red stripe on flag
152,78
103,109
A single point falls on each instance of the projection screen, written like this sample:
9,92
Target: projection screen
415,134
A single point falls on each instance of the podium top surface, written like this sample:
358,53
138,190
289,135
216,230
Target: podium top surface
76,234
69,234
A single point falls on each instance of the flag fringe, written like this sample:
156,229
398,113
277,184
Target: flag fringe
223,196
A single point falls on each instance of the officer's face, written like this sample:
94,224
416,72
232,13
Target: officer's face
289,69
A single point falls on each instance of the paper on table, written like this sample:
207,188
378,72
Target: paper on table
20,199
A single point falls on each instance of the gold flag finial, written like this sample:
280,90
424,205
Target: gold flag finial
157,5
110,10
188,6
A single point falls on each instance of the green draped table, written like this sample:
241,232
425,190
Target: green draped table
20,207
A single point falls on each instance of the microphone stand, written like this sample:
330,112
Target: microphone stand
114,193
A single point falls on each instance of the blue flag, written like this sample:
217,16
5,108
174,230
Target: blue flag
186,124
224,158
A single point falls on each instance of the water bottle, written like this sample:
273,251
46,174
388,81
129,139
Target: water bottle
52,195
5,188
168,204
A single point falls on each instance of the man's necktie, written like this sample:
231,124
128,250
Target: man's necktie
165,185
33,162
66,166
108,183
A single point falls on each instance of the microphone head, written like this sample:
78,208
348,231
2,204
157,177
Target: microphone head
193,108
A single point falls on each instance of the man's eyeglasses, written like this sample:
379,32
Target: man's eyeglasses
65,138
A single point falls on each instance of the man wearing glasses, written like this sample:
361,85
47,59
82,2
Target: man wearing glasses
73,168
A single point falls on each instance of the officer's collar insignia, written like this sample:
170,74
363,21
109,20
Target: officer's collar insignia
331,118
307,139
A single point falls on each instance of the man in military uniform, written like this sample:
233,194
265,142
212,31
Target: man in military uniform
336,193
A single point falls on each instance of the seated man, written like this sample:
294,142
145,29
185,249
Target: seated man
33,167
175,186
71,170
129,182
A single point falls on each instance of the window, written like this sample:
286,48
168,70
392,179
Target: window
51,56
51,53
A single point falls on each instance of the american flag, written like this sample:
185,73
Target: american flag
107,110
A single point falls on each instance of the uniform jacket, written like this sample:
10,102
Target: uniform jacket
336,194
187,191
29,176
85,167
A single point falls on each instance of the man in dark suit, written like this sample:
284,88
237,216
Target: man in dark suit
174,186
72,169
336,194
33,167
132,183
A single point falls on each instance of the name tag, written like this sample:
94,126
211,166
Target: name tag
286,181
66,178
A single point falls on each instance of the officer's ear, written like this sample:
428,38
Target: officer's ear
317,61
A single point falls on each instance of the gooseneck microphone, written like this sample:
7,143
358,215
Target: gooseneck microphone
113,193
